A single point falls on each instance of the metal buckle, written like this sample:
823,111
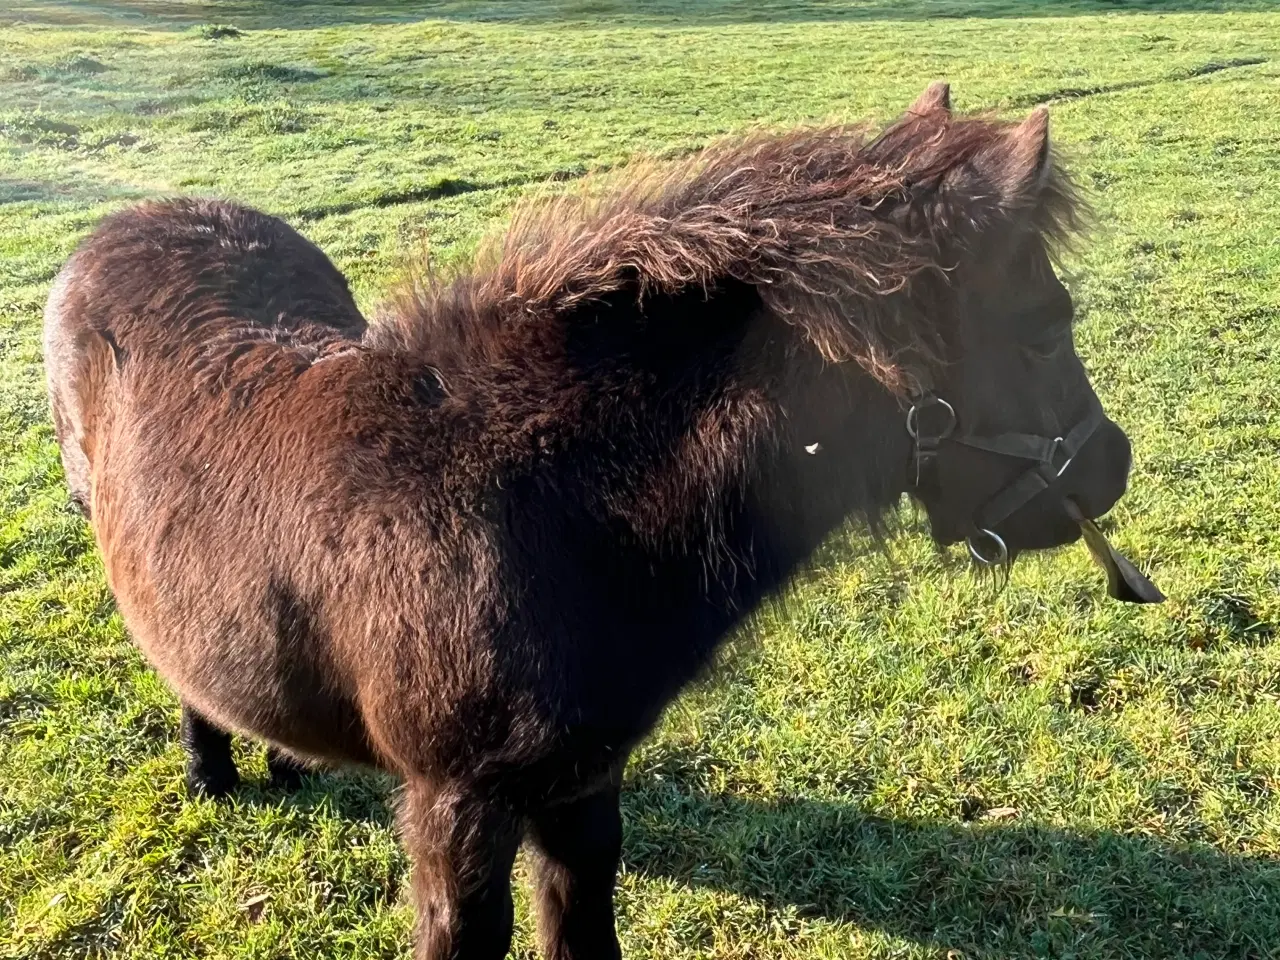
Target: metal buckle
1002,549
913,417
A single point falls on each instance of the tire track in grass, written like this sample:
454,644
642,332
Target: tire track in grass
1079,93
446,187
458,186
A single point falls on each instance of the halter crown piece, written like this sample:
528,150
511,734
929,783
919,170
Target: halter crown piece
931,421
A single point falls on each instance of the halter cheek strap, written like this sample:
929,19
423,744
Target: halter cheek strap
932,421
1050,460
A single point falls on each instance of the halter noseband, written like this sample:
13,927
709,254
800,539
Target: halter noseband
1050,458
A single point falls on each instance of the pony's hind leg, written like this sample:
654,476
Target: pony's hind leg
463,842
579,845
211,772
283,771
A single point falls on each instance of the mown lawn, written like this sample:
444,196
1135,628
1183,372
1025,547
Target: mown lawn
895,763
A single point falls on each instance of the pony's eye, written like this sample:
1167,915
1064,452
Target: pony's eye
1045,348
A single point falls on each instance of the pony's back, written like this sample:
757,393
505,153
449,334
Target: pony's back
191,263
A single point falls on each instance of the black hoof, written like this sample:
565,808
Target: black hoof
212,780
285,772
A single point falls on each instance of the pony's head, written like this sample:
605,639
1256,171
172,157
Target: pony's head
1006,427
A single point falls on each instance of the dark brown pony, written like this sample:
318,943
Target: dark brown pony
484,542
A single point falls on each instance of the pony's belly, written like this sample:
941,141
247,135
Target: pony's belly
309,723
244,677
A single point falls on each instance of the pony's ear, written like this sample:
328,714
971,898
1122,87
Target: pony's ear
1018,165
936,98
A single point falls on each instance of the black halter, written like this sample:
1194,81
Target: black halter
1050,458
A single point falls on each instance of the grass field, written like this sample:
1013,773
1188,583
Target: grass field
895,763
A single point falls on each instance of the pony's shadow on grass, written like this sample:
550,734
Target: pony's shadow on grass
344,794
986,889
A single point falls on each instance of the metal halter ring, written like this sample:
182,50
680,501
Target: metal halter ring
1057,445
911,417
1002,550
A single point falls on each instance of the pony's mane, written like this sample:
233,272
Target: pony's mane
824,222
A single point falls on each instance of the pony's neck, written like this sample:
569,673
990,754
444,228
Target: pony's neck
841,453
708,425
702,422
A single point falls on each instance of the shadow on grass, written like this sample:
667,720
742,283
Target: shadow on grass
987,889
346,794
80,190
302,14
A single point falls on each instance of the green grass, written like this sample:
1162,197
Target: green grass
894,763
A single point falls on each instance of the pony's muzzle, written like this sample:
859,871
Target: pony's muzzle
1098,476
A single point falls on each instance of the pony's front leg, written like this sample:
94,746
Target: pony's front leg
463,842
211,772
579,846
